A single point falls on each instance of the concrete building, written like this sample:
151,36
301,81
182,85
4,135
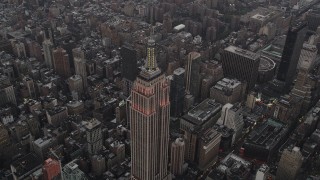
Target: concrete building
80,65
51,169
197,120
41,146
56,115
7,94
261,144
23,167
307,56
209,144
263,172
193,79
71,171
241,64
94,136
47,46
98,164
228,91
177,156
61,62
290,164
149,121
234,167
76,84
232,118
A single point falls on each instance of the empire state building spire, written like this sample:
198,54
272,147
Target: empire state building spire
150,69
151,63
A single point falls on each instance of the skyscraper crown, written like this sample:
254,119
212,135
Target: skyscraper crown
150,69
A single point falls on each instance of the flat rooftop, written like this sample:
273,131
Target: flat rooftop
242,52
267,134
26,164
203,111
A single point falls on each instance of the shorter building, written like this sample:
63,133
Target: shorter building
290,164
226,136
232,118
56,115
234,167
42,145
7,94
25,166
75,84
262,173
71,171
94,136
228,91
209,142
286,109
265,139
195,123
51,169
177,156
98,165
75,107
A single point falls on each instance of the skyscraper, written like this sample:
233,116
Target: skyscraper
61,62
241,64
149,121
193,74
177,91
231,117
80,65
291,53
94,136
177,156
129,67
47,51
290,163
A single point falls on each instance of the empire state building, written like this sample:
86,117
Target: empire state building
149,121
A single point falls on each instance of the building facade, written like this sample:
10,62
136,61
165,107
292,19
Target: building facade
149,121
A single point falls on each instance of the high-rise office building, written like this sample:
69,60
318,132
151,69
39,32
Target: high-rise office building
80,65
7,94
129,66
75,84
290,163
61,62
208,148
177,92
94,136
228,91
193,78
232,118
149,121
47,46
291,53
241,64
309,54
177,156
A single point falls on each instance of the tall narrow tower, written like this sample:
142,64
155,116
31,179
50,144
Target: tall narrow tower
149,121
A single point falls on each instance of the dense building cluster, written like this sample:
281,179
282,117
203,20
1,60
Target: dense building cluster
159,89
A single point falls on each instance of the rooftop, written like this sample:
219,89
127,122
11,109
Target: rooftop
267,134
242,52
92,123
26,164
203,111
